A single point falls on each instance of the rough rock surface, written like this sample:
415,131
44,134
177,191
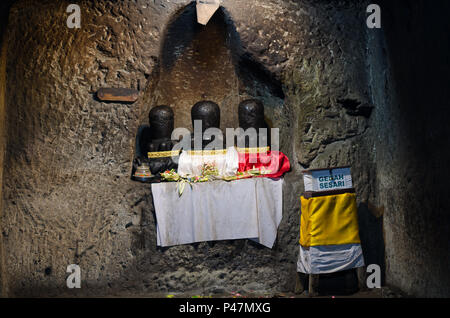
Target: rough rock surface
410,136
67,195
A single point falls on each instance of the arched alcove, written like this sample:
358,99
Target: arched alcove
208,63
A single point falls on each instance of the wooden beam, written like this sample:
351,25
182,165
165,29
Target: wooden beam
127,95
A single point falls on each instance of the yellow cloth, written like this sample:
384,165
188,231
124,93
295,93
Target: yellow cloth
329,220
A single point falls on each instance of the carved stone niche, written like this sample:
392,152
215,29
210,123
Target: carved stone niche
203,63
210,63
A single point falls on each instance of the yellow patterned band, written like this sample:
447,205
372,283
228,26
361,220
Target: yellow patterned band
164,154
207,152
253,150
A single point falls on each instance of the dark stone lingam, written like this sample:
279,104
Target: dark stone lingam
161,119
208,113
156,139
251,115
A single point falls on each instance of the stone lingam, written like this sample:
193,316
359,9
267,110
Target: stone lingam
251,116
156,146
254,146
208,153
206,113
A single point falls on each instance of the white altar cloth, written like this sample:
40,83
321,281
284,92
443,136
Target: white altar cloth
218,210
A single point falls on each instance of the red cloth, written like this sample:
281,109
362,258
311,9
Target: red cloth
275,161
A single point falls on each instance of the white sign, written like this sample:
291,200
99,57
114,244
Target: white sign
327,179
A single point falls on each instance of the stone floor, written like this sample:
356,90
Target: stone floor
384,292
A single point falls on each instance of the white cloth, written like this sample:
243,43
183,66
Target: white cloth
329,258
191,165
218,210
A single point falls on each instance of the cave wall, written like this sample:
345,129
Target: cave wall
409,67
67,196
4,9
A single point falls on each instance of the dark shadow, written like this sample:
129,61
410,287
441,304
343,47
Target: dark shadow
142,137
247,68
182,31
339,283
371,235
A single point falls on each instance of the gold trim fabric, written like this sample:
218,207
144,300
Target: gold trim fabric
206,152
254,150
163,154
